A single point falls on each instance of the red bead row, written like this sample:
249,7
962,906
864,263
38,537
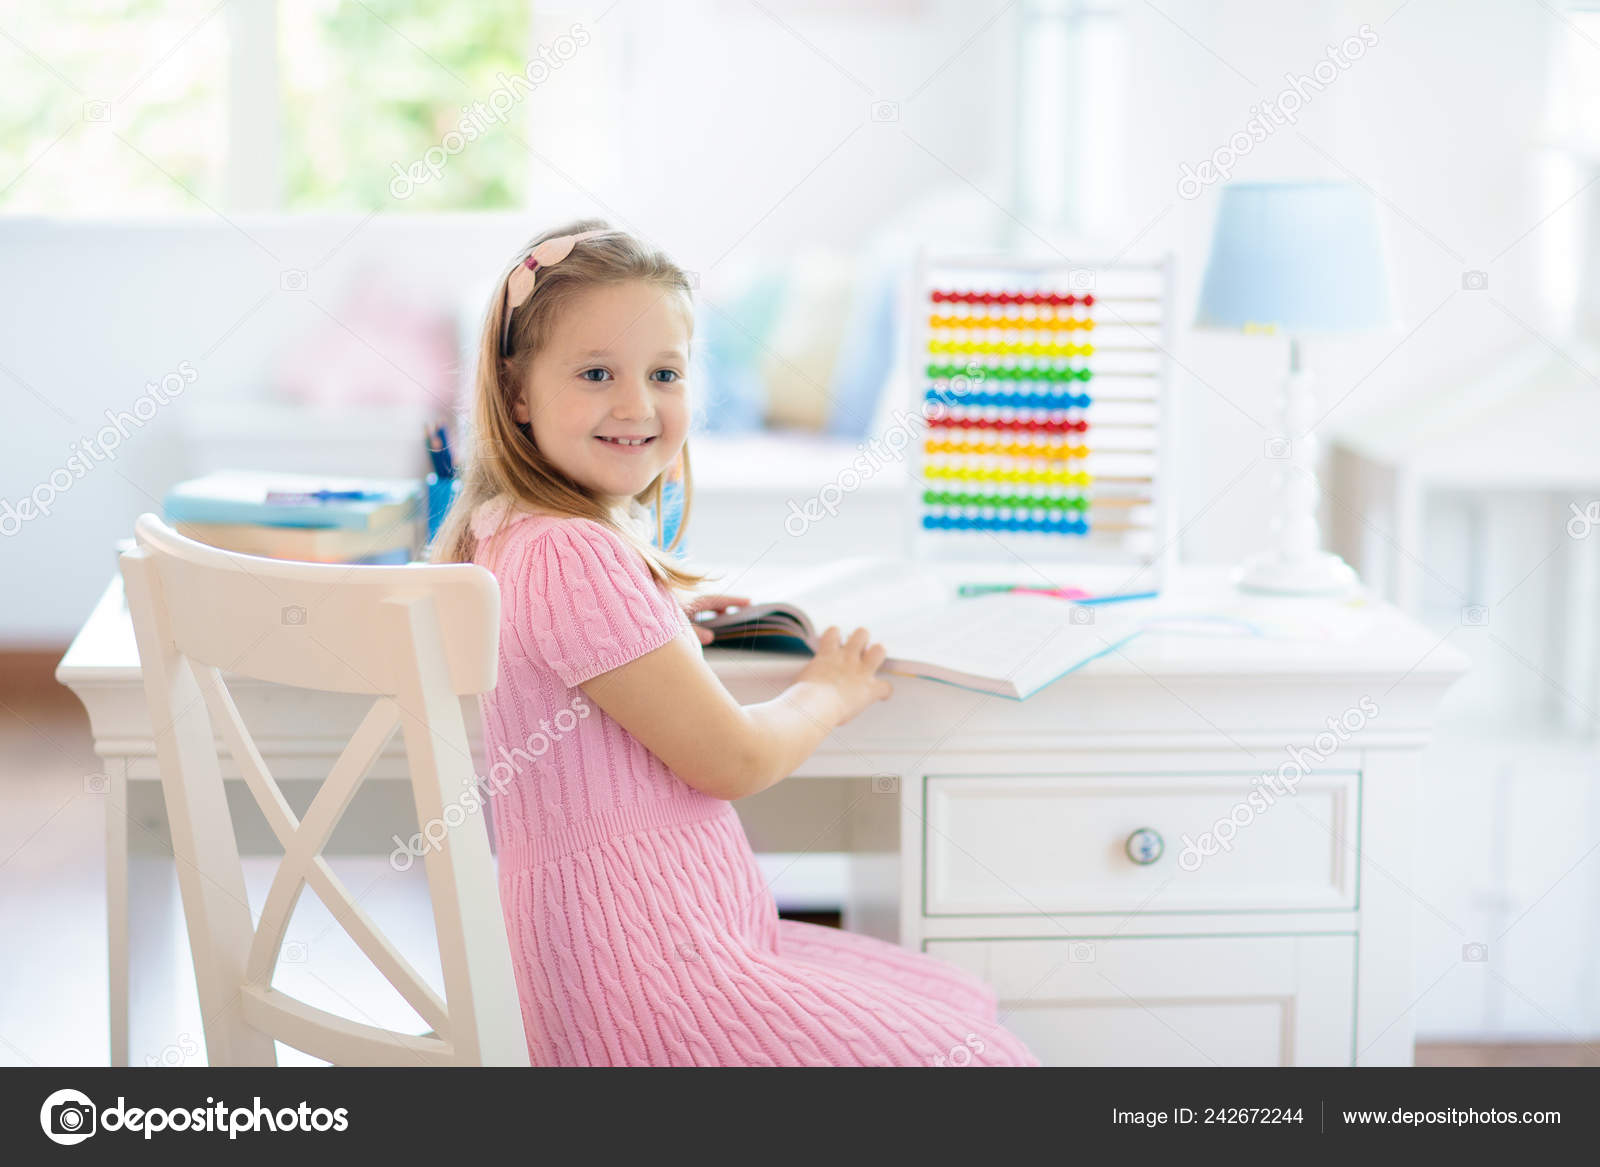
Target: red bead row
1036,425
1053,299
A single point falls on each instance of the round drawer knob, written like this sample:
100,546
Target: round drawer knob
1144,846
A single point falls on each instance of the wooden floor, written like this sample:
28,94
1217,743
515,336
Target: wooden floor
52,890
1510,1053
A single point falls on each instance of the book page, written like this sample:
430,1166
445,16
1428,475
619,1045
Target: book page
1014,636
851,592
871,593
926,629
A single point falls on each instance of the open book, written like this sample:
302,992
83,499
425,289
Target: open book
1011,644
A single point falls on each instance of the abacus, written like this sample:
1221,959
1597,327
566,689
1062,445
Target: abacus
1044,414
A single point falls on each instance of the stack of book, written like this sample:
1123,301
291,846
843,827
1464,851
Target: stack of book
293,516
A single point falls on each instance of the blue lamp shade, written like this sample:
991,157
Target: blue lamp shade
1295,257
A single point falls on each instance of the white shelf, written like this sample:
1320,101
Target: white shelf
377,441
780,462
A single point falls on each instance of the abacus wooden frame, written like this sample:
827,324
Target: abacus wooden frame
1150,570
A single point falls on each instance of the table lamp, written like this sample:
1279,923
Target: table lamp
1295,258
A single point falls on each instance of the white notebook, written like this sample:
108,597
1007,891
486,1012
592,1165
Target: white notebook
1011,644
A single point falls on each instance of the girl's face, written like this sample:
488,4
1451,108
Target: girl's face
608,396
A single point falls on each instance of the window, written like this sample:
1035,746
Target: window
112,106
182,106
379,95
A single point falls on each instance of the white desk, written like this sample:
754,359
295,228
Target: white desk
1291,946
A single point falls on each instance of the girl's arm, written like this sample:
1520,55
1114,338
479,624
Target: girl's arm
672,702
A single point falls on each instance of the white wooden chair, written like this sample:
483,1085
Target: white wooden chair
418,638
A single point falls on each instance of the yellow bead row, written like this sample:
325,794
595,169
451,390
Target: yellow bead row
1000,348
1010,449
1059,478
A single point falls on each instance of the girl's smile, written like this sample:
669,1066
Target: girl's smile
627,445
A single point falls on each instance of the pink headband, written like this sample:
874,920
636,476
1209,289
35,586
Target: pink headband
519,284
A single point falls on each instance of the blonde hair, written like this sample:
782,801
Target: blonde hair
504,458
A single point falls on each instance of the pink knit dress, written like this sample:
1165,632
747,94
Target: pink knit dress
642,932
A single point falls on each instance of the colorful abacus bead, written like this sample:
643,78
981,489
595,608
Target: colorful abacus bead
1072,526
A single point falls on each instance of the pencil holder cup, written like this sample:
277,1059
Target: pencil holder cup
441,492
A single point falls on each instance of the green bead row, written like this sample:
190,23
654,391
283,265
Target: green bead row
1010,373
961,498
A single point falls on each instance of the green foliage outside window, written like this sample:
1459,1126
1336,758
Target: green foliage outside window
119,107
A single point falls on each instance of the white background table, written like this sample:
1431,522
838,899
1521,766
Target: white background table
998,834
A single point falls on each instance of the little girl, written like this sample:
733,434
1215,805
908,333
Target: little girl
642,933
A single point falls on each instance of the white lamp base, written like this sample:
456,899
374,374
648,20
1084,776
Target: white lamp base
1321,574
1294,563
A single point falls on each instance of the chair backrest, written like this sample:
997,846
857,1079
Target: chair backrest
417,638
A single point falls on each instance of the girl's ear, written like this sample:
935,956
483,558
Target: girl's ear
519,407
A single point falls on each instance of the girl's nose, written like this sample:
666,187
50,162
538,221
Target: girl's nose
632,400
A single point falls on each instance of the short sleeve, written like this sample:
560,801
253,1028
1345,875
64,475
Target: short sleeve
592,604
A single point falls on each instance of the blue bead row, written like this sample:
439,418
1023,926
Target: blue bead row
1014,400
1054,526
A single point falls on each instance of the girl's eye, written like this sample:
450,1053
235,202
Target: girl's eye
672,375
604,373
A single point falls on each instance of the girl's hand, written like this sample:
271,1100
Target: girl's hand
849,667
711,604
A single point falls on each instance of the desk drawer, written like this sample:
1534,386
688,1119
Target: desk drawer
1026,845
1172,1001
